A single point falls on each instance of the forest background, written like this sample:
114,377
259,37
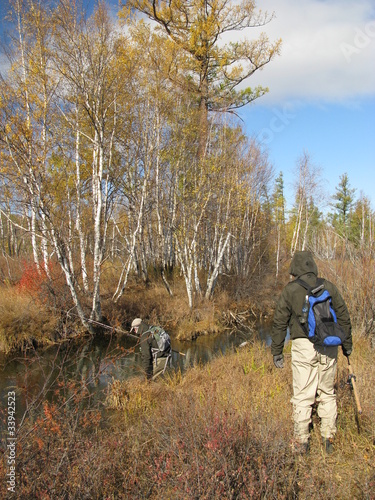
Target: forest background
129,188
128,184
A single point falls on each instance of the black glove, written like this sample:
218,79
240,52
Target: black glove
346,352
278,360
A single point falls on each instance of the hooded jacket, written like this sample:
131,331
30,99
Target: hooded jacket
289,305
146,344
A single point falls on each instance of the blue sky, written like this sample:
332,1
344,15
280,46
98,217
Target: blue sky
338,138
322,91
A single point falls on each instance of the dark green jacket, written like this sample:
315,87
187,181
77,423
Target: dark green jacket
147,342
289,305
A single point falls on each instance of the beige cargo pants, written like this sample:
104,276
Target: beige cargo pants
313,380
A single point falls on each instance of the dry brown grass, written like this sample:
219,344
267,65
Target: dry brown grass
226,428
223,430
355,279
23,319
153,303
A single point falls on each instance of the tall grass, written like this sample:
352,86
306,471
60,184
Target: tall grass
356,282
23,320
223,430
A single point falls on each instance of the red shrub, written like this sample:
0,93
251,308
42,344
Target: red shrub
32,278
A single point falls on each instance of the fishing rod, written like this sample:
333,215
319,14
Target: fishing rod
352,382
113,328
109,327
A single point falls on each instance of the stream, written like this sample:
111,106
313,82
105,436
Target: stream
97,361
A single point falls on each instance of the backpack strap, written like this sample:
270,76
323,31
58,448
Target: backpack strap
305,330
309,290
169,360
303,284
154,353
149,331
318,287
168,356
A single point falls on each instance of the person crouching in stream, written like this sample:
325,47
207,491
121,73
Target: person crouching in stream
154,362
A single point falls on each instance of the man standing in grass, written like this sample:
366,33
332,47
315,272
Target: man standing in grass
313,366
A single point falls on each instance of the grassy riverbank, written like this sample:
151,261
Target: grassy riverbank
24,321
223,430
36,310
32,316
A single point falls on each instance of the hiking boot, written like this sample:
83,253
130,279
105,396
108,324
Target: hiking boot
301,448
327,445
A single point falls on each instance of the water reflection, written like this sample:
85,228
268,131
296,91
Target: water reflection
96,362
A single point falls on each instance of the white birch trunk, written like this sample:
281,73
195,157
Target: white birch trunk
69,279
212,279
278,249
33,202
304,241
126,268
82,246
97,173
186,267
297,228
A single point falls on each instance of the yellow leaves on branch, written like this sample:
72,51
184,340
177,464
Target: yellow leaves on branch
198,28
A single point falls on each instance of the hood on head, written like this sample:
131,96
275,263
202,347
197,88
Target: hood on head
303,263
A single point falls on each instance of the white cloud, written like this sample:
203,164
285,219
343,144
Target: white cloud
328,50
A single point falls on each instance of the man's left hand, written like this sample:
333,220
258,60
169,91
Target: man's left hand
278,360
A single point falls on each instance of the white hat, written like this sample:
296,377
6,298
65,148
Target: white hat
135,324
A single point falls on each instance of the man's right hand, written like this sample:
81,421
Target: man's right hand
346,352
278,360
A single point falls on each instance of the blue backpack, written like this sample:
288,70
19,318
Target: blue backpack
319,321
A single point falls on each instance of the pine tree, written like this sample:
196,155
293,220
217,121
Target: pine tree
212,71
344,197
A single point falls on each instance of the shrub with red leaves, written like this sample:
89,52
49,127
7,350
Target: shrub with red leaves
32,278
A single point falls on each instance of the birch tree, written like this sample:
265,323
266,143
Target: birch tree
70,103
306,189
223,172
362,223
86,59
193,193
27,94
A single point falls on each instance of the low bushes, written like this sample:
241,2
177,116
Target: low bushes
223,430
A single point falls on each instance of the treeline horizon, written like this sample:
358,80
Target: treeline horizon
120,150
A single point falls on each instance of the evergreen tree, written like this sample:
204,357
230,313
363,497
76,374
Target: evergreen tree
212,71
344,197
278,205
